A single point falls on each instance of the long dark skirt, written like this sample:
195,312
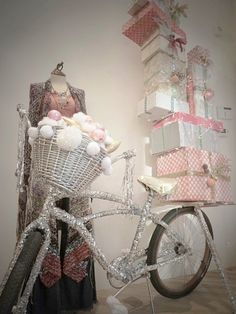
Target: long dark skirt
66,294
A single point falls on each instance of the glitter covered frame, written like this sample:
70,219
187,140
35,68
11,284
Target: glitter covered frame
122,268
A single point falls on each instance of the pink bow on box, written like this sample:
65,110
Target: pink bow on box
175,43
222,171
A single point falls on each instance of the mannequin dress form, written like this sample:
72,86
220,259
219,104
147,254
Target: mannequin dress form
58,82
66,282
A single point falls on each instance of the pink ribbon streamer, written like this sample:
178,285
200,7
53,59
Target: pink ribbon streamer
175,43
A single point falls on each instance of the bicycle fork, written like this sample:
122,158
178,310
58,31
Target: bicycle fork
41,225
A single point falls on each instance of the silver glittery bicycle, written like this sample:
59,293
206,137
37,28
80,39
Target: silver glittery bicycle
175,260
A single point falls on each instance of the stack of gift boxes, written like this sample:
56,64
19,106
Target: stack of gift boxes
177,101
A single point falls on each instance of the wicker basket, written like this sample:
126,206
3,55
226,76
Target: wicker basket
70,170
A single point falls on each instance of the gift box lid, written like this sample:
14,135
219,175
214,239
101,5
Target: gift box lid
207,123
142,25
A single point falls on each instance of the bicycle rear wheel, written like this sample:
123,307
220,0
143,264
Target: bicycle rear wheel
20,272
179,277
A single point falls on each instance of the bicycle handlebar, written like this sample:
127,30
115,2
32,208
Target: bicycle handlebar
126,155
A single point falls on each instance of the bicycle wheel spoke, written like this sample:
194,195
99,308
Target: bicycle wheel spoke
183,238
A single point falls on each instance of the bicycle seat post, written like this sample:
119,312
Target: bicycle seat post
149,199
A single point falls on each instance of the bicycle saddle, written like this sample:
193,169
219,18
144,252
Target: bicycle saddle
162,186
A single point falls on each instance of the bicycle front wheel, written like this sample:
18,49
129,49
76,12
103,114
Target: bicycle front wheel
20,272
177,277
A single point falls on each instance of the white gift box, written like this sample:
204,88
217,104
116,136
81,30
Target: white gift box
142,110
199,74
165,63
157,105
156,43
159,70
160,83
159,42
203,108
182,134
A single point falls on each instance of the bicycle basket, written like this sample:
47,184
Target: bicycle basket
70,170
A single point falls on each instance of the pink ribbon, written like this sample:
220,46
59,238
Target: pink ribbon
175,43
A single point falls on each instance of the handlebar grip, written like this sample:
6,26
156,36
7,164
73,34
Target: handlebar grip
126,155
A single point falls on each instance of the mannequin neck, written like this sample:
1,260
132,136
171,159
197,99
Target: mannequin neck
59,83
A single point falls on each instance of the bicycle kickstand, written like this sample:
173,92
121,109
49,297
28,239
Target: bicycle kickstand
150,292
117,307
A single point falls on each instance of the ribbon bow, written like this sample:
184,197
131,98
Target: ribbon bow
175,43
217,172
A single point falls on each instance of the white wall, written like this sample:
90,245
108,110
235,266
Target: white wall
86,35
210,24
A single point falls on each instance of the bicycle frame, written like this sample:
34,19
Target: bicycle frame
121,273
116,268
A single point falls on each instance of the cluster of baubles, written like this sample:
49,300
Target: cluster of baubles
69,134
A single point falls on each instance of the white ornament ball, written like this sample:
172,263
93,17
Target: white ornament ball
108,171
46,131
69,138
108,140
33,132
106,163
61,123
31,141
79,117
93,149
88,127
47,121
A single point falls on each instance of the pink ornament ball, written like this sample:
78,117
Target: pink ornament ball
98,135
54,115
211,182
208,94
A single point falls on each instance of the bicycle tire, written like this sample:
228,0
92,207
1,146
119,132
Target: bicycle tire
20,272
161,284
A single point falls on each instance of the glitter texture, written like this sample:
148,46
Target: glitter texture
129,266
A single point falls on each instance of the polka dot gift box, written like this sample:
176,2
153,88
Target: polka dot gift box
201,175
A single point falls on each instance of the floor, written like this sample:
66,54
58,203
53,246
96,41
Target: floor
209,297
